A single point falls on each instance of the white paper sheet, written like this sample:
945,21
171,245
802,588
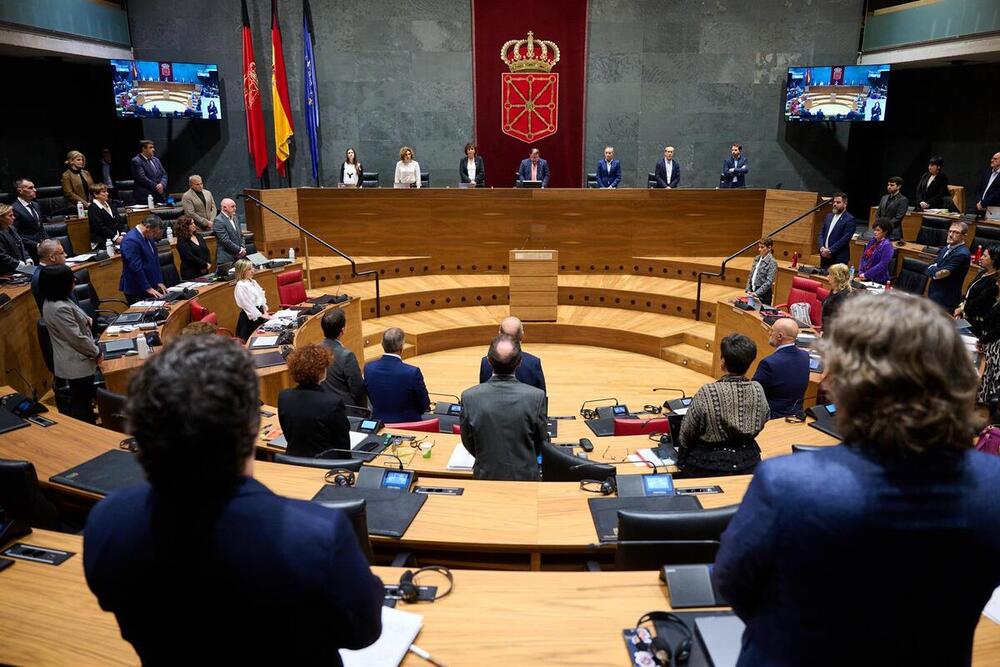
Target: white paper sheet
399,629
992,609
461,459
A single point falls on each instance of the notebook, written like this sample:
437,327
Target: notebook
399,629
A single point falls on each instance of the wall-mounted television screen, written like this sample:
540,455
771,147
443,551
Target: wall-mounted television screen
162,89
837,92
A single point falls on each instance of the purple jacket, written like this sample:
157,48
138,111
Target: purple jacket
876,267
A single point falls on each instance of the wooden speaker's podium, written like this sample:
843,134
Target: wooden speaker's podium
534,285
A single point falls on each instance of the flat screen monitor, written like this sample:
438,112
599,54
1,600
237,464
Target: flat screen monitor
837,93
165,89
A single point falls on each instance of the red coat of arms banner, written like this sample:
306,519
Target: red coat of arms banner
530,92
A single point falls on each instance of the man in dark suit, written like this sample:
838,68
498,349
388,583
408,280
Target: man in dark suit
50,253
203,550
609,170
835,236
149,175
396,389
667,171
948,271
892,207
229,236
29,219
989,187
343,376
529,371
534,168
734,169
503,420
784,373
142,277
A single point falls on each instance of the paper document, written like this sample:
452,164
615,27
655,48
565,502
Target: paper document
461,459
643,457
287,314
399,629
180,287
264,341
357,438
721,636
86,257
148,304
992,609
122,328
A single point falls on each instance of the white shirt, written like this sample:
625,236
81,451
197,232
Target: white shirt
833,223
28,206
931,179
470,169
989,183
407,173
781,347
669,164
249,297
350,174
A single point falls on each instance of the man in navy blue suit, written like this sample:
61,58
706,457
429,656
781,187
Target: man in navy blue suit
835,237
609,170
784,373
529,371
734,169
667,171
203,551
534,168
989,188
149,175
948,271
396,389
850,537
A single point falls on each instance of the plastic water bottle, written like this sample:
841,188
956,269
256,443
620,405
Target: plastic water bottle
142,346
109,248
170,234
795,259
852,274
79,209
149,201
291,254
888,285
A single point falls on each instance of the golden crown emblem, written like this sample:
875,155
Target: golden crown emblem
530,55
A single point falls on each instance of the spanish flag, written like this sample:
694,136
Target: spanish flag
283,129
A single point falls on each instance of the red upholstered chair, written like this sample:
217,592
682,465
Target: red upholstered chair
641,426
428,425
805,291
199,312
291,289
456,428
821,294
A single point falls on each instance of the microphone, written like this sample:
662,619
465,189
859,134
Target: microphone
35,407
358,407
352,452
683,395
457,399
649,464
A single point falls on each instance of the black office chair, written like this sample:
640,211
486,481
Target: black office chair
22,499
58,231
559,465
168,214
425,179
985,236
912,276
369,179
799,449
591,180
127,197
249,243
111,409
353,465
358,515
650,180
933,232
167,268
60,386
52,202
649,540
91,303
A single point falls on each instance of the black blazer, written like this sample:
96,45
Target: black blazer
660,172
313,420
104,226
194,257
935,194
27,225
463,175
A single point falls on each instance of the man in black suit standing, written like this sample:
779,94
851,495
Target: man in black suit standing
948,271
734,169
667,171
343,375
835,236
28,216
149,175
989,189
892,207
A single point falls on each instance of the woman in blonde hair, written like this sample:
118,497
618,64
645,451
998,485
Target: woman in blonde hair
407,170
76,181
840,289
250,298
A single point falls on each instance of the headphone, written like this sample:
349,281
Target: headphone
605,488
653,409
587,413
410,591
659,648
340,477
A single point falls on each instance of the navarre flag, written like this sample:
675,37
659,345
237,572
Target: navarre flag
256,142
283,129
310,101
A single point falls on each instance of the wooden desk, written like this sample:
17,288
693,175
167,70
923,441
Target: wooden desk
19,341
912,250
48,616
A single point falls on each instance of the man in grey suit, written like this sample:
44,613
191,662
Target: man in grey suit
198,203
227,230
892,207
343,375
503,420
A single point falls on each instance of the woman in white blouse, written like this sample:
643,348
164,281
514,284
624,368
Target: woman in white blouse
250,298
407,170
351,172
471,169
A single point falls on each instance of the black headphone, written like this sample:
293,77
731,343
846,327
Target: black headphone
653,409
605,488
410,591
663,654
588,414
340,477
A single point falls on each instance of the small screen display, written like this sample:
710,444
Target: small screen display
619,410
119,345
397,479
814,363
368,424
686,401
658,485
831,408
455,409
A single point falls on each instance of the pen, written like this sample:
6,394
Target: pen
425,655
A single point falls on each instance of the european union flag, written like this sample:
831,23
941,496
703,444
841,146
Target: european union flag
311,105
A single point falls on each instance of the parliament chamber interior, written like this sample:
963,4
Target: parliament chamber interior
526,412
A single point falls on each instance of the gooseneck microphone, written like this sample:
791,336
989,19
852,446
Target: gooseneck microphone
352,452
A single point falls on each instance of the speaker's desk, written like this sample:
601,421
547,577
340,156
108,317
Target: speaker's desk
48,616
